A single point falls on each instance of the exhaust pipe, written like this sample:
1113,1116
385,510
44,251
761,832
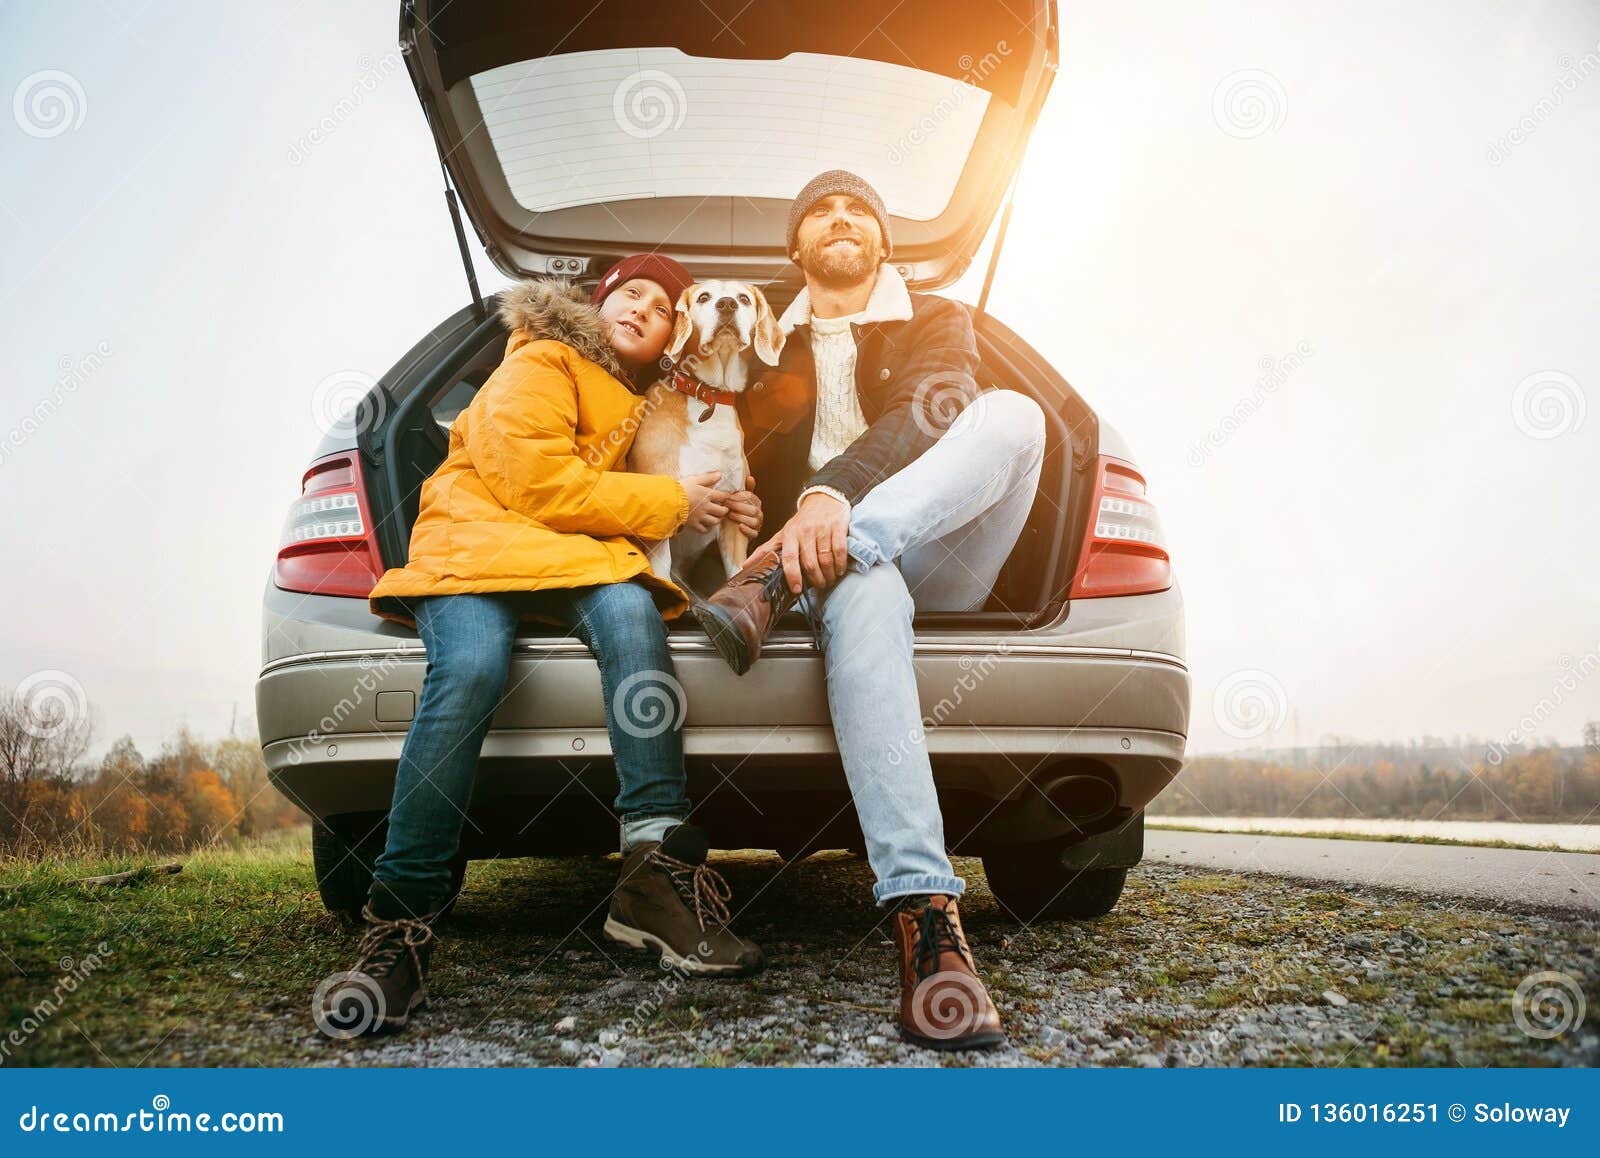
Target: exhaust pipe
1080,796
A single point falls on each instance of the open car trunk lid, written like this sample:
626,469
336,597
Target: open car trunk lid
576,134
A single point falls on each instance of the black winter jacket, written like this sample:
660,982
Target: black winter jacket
912,378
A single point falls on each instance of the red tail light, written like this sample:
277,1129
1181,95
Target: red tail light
328,546
1124,551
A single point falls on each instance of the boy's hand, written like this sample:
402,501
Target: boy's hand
744,508
707,505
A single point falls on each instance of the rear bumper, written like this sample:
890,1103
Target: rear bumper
1015,717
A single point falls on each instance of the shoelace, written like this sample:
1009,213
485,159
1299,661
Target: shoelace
813,617
936,934
701,886
382,943
770,577
775,588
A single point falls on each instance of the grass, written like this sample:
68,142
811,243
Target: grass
1156,822
169,946
215,966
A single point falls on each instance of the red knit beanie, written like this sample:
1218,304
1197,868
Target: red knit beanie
665,272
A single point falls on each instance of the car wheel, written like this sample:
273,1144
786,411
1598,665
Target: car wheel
343,851
1032,885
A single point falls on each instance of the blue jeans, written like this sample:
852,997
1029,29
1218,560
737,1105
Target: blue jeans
931,537
468,640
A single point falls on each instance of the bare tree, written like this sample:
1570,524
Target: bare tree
42,738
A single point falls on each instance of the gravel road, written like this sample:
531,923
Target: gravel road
1194,967
1490,877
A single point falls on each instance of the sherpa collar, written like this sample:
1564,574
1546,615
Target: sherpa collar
890,302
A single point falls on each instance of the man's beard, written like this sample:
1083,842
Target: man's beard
838,268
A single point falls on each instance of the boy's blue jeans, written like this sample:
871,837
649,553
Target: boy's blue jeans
468,640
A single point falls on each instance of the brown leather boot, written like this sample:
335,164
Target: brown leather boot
388,983
943,1004
669,901
740,614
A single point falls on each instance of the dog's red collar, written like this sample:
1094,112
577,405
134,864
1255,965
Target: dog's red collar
686,383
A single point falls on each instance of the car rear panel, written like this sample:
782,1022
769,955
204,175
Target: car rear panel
338,689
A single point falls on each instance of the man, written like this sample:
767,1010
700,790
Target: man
908,488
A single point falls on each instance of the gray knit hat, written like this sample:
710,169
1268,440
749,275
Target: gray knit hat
826,185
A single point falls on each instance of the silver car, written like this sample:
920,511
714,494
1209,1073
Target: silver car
1053,715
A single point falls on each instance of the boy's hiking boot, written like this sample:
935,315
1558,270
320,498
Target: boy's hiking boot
669,901
739,615
943,1004
388,982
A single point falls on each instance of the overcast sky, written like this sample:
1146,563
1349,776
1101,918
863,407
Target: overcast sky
1390,535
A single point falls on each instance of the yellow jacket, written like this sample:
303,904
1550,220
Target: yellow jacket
531,495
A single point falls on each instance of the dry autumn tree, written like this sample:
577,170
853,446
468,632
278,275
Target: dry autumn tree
42,739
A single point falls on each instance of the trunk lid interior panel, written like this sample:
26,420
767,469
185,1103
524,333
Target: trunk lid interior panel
576,137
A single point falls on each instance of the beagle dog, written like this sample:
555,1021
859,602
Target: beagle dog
689,425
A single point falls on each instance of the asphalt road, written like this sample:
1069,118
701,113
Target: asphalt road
1493,877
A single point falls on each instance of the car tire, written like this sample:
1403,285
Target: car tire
1032,885
343,851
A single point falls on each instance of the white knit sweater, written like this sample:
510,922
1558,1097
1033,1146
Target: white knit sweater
839,420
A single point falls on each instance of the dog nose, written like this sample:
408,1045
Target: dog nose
726,305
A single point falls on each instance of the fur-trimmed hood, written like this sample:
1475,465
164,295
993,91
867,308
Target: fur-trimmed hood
554,308
530,498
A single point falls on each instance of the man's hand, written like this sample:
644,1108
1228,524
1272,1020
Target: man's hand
813,542
744,508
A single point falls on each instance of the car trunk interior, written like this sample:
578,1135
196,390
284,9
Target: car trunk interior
1032,587
567,145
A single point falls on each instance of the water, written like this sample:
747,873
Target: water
1573,837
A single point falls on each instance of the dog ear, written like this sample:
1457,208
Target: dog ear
769,336
682,325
